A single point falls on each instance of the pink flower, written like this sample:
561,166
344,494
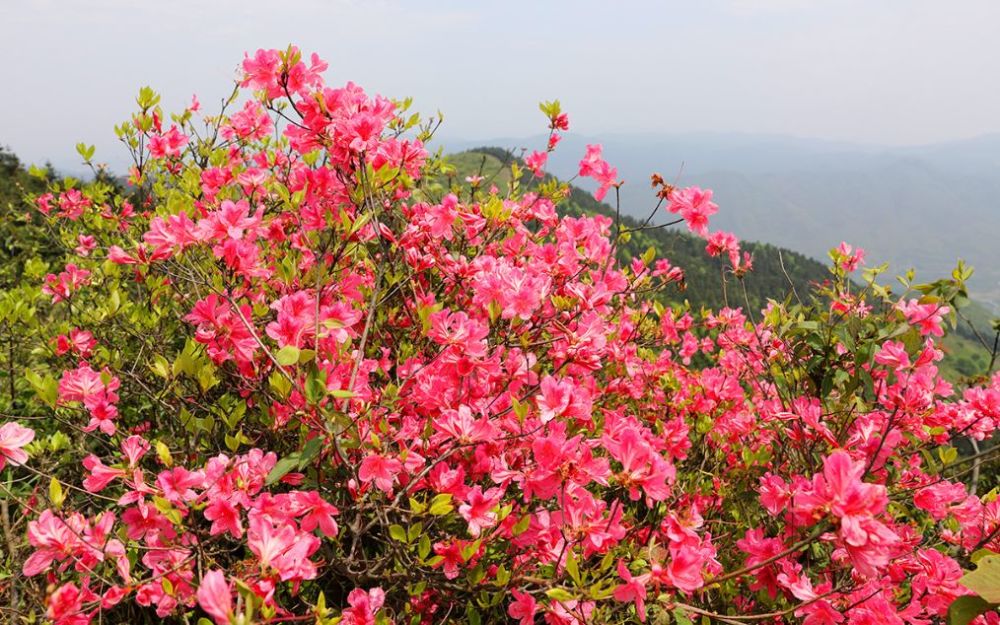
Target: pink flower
848,258
440,218
168,144
282,548
316,513
695,206
231,221
893,354
774,494
363,131
464,427
554,398
594,166
633,589
13,437
66,605
364,606
643,469
86,244
171,234
79,341
536,162
523,607
252,122
53,540
100,475
222,330
72,204
179,484
134,448
215,597
98,396
724,243
927,317
381,470
479,509
840,491
62,286
684,569
262,72
225,517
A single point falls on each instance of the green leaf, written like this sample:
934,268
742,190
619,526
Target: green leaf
56,494
441,504
472,614
502,576
572,568
287,355
985,580
470,550
160,366
398,533
85,151
279,384
47,387
282,468
163,453
963,609
310,451
522,525
681,617
558,594
315,389
414,531
947,455
424,546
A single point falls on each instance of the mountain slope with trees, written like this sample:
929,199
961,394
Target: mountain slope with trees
779,273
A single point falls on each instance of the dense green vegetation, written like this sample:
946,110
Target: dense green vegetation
21,234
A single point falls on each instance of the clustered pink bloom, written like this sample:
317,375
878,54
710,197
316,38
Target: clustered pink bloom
62,286
536,162
594,166
79,342
97,391
849,258
13,437
926,317
415,398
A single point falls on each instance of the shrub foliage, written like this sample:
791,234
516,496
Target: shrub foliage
284,375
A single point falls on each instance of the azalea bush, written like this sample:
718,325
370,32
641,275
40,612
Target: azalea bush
287,374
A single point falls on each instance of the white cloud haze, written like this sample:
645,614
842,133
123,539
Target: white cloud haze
894,72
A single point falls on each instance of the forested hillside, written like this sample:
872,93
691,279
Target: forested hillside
778,273
897,203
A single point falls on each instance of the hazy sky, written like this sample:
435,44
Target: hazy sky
872,71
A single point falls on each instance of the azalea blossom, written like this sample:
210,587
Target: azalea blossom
13,437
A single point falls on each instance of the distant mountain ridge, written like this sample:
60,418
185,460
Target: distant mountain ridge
921,207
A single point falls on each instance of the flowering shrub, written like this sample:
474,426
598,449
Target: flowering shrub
288,377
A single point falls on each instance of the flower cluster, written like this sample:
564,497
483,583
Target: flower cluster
314,385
